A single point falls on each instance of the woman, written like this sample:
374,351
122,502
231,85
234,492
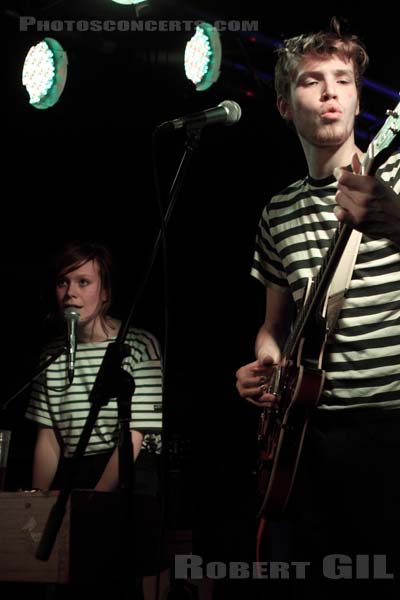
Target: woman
81,280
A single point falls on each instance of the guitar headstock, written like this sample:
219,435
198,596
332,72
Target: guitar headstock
381,146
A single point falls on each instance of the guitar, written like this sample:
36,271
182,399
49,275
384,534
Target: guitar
298,380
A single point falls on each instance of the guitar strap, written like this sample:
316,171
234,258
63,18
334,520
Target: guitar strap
341,280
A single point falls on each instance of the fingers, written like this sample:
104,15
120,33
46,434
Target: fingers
355,182
249,385
356,167
253,382
256,369
356,164
342,215
266,401
261,395
359,200
264,396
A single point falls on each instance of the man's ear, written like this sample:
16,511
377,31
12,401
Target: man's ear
284,108
358,109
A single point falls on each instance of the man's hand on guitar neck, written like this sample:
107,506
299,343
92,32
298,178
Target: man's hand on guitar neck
253,381
367,204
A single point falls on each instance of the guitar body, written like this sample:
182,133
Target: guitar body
297,386
282,440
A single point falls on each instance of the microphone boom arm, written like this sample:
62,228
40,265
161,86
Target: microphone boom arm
39,370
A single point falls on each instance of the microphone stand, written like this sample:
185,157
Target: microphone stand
112,380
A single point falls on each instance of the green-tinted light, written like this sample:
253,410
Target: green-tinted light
203,57
129,1
45,72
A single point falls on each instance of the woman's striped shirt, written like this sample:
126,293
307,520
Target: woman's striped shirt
66,411
362,358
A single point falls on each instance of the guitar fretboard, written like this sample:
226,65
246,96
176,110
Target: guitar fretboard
318,290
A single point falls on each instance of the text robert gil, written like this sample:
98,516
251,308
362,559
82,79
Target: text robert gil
334,566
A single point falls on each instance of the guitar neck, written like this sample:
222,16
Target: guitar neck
319,288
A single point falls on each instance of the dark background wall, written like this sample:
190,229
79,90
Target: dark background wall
83,168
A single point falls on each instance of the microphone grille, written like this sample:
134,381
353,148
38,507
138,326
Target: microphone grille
72,313
233,111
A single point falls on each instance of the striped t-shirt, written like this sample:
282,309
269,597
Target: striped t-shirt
362,358
66,410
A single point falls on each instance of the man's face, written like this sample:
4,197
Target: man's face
323,101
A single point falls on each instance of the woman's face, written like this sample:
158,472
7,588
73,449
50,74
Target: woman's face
82,289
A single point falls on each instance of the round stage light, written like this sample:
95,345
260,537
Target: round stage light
203,57
45,72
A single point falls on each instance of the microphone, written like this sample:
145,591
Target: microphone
227,112
71,315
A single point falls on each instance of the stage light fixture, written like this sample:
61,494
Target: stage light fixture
130,1
45,72
202,59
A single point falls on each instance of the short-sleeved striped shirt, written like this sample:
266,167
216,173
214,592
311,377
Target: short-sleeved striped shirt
362,360
66,411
